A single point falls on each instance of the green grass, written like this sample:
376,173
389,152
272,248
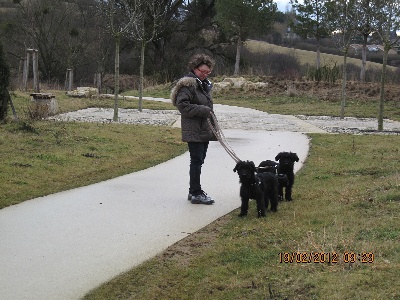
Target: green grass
347,199
66,103
305,103
279,104
44,157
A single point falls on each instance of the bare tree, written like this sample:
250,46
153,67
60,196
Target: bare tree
366,15
51,27
342,23
189,28
121,17
241,19
386,24
310,21
4,82
146,29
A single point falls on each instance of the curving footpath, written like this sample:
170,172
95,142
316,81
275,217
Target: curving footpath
63,245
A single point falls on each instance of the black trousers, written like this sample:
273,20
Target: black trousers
198,152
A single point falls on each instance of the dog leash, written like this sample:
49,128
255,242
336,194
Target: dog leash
221,137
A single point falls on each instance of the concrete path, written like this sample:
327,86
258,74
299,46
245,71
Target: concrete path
63,245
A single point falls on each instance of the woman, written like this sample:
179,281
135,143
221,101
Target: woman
192,97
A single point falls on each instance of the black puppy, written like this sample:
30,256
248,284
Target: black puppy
261,187
267,166
286,166
272,167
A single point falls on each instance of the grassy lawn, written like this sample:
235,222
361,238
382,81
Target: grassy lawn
339,238
303,104
305,56
44,157
311,106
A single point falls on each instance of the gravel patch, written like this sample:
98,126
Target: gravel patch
231,117
125,116
352,125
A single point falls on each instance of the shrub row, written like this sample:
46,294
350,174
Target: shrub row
288,66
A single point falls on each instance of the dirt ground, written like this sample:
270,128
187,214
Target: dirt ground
332,91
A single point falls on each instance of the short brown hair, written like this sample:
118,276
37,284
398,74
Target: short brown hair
200,59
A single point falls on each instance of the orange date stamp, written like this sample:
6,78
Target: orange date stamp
326,257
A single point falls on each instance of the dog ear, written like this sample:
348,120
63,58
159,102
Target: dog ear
236,167
295,157
278,157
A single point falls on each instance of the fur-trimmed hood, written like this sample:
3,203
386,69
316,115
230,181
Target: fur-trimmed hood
184,81
190,81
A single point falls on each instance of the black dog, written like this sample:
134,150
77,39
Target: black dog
285,166
272,167
261,187
267,166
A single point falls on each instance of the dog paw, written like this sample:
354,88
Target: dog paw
261,214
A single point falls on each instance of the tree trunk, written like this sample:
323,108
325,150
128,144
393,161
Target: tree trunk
12,105
238,50
318,55
116,86
141,74
344,82
158,57
382,92
363,59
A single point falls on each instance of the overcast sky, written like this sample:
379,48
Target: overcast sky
282,4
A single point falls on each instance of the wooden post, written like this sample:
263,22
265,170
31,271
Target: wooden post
69,75
97,81
71,79
26,71
35,69
35,66
66,81
21,70
12,105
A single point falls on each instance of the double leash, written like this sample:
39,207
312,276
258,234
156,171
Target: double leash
221,137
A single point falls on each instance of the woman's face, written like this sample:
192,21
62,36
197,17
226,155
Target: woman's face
202,71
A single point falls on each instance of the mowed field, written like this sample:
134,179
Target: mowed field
305,56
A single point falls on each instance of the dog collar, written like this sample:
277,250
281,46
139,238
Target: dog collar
258,181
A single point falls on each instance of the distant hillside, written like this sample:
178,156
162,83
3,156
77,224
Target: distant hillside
305,56
6,5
